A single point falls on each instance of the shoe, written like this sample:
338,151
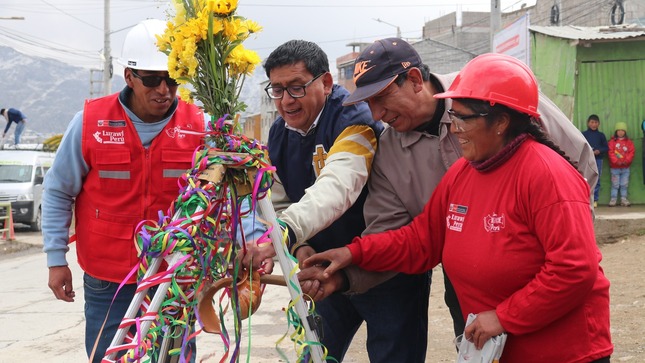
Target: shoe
624,202
612,202
595,204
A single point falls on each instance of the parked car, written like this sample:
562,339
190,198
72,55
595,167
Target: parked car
21,183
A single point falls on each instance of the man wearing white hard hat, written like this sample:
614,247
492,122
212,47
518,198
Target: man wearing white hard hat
117,165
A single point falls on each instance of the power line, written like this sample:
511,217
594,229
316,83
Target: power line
44,48
71,16
75,10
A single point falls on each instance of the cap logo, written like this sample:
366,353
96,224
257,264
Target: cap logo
360,69
405,65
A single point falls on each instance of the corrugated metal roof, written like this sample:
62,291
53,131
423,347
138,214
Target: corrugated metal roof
591,33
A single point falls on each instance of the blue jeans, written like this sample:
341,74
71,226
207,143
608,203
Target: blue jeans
619,182
20,127
396,314
596,190
98,298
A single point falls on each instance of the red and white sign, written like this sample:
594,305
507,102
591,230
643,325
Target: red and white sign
513,40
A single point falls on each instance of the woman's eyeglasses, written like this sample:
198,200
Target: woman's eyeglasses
155,81
460,121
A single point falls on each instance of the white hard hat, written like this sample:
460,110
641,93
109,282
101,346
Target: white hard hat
140,47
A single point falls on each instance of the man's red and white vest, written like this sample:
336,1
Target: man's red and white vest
127,183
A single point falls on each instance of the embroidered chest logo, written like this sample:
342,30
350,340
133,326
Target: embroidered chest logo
108,133
110,123
318,159
456,217
175,132
110,137
494,223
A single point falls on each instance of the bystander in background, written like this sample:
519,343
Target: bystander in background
13,115
621,155
598,143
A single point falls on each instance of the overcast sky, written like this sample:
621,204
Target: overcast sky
72,30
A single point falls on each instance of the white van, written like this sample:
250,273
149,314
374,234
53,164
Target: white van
21,183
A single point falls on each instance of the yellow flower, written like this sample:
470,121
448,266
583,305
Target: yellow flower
204,46
180,11
222,7
185,94
232,28
251,26
242,61
217,27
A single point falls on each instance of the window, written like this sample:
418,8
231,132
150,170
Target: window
15,173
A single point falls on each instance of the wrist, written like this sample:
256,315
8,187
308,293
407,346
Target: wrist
292,241
297,246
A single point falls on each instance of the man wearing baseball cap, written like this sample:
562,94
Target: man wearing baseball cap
379,65
416,148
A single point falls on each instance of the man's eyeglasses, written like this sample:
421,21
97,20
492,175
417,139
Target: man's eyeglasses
155,81
460,121
277,93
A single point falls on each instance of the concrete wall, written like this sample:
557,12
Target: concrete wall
586,12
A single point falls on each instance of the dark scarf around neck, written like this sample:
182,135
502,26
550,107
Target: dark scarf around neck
501,157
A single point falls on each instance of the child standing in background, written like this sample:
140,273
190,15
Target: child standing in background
598,143
621,155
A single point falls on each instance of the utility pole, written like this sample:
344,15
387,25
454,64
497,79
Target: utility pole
96,82
495,21
398,30
107,58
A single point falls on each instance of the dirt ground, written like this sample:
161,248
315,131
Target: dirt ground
623,265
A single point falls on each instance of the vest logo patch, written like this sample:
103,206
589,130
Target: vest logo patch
175,132
455,222
456,217
456,208
111,123
318,159
494,223
110,137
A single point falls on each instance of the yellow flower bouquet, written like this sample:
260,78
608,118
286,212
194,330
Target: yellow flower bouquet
204,47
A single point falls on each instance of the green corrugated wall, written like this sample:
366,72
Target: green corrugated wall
610,82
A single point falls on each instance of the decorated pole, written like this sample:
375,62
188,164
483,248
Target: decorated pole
135,304
287,266
144,286
217,180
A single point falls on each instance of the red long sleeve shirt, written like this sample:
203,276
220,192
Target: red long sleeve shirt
519,240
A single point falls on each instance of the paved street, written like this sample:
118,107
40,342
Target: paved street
35,327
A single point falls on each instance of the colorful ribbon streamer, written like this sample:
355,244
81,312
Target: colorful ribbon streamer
202,225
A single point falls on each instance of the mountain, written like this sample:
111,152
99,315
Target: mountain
47,91
50,92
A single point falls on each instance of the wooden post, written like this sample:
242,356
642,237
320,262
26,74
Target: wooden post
7,229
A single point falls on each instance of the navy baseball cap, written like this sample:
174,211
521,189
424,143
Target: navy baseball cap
378,65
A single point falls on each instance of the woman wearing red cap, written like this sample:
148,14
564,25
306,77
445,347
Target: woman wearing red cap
510,223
